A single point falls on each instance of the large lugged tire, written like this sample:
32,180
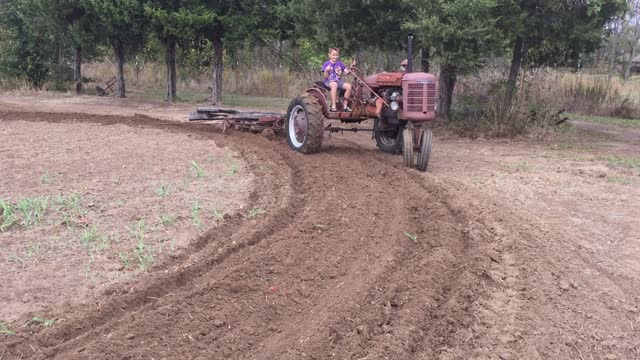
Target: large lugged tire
388,140
304,124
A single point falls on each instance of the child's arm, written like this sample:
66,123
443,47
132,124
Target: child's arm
327,71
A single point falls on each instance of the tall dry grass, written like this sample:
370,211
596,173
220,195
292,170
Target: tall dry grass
259,81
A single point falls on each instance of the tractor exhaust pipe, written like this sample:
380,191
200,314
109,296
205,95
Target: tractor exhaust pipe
410,54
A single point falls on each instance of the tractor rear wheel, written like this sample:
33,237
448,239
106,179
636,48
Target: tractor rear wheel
424,153
407,151
388,138
304,124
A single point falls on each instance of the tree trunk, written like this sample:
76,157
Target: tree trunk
516,62
446,83
77,69
424,61
119,50
216,86
171,68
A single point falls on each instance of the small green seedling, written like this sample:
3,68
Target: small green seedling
218,214
162,190
233,170
167,220
197,169
5,329
8,215
254,212
413,237
39,321
45,178
195,213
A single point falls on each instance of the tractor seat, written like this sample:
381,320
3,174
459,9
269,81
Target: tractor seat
321,85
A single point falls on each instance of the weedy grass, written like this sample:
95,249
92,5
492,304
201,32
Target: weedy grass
254,212
233,170
144,255
124,257
45,178
626,162
32,210
8,214
218,214
196,209
622,180
162,190
198,171
167,220
94,241
523,166
5,329
69,208
138,231
39,321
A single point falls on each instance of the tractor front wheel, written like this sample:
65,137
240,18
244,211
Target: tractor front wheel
388,137
424,152
407,142
304,124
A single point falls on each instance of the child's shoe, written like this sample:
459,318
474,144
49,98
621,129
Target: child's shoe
333,109
347,109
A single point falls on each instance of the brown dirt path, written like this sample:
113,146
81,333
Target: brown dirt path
522,251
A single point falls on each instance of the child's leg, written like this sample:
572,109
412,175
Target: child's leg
347,95
334,93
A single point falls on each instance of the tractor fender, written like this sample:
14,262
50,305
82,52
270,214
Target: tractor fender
322,99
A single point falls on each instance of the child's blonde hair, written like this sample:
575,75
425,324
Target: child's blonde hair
334,49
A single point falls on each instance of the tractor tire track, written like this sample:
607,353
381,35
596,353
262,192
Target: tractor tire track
328,272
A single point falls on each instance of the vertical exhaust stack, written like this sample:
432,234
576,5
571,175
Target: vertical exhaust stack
410,54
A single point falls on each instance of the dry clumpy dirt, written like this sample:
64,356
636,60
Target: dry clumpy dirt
521,251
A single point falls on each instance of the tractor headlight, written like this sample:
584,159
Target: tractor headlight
394,106
394,96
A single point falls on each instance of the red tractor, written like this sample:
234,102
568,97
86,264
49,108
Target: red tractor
399,104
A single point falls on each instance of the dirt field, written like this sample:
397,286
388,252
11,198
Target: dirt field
521,251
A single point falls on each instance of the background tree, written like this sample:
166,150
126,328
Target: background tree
176,22
461,33
631,35
237,23
548,32
73,24
122,23
27,49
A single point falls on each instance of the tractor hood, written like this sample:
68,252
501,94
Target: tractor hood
384,79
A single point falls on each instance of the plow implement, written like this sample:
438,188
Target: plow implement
240,120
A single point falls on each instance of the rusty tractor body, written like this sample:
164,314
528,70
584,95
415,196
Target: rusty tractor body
399,103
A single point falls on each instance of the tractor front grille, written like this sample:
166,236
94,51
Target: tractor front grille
416,99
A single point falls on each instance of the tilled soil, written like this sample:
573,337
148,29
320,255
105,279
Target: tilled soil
359,258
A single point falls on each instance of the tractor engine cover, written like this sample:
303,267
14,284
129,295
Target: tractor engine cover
418,97
384,79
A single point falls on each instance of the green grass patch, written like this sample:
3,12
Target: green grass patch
622,180
606,120
626,162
